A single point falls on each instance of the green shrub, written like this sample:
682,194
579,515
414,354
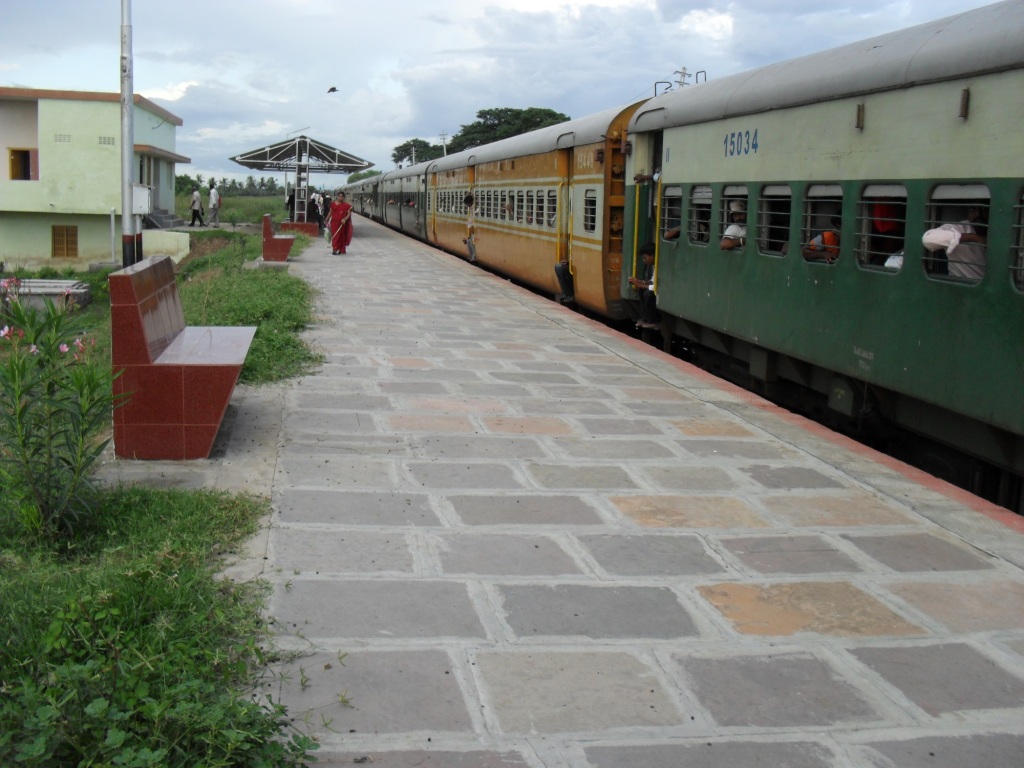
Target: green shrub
54,404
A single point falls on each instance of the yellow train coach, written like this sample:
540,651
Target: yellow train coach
523,205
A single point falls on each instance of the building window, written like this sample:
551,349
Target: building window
822,220
671,211
23,164
106,141
957,232
698,216
774,208
881,224
64,242
590,210
733,221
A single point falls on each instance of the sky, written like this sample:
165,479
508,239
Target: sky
242,75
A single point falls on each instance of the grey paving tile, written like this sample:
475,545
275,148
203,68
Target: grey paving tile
650,554
918,552
716,754
596,612
945,678
335,551
787,478
375,609
552,692
296,505
521,509
453,474
423,759
789,554
689,478
373,692
738,449
506,555
980,750
625,449
478,447
589,478
784,690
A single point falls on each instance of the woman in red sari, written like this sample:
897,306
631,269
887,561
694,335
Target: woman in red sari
341,224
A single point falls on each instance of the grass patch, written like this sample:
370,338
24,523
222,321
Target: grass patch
119,645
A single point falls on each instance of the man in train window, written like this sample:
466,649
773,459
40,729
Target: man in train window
735,235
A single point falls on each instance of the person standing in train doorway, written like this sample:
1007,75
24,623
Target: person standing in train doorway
341,224
470,241
650,317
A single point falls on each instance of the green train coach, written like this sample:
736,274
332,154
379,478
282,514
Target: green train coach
846,171
878,280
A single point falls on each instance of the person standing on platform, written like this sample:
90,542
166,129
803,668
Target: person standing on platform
214,205
196,206
341,224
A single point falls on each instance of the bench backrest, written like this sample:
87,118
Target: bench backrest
268,228
145,311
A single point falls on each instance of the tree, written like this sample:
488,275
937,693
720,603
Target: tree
502,123
360,175
416,150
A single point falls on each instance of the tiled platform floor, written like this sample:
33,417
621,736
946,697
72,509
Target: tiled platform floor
504,535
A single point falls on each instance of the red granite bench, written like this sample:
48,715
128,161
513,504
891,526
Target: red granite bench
179,378
275,247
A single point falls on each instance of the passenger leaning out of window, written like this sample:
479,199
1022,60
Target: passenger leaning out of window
735,235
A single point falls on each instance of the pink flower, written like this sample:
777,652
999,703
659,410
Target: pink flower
33,350
63,347
5,333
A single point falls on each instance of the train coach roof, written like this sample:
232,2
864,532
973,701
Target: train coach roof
584,130
983,40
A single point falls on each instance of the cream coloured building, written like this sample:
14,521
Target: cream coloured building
62,178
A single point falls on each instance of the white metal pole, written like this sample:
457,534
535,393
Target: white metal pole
128,254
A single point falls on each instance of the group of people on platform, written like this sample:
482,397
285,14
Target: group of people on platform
333,216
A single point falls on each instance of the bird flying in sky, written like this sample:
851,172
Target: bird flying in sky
332,89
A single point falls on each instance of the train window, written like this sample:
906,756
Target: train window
519,206
881,224
732,229
774,207
1017,247
590,210
529,206
821,223
539,216
503,210
671,211
957,228
552,208
698,216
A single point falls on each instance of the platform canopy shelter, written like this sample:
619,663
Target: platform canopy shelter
303,156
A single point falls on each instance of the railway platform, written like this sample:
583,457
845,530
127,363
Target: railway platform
504,535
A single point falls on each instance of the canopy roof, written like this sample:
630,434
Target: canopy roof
288,154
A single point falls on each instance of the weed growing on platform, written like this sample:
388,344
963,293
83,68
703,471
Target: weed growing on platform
55,403
217,290
122,648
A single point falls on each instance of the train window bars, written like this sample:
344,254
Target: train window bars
519,206
774,208
529,206
1017,247
698,215
954,244
552,208
881,226
503,210
590,210
539,214
823,209
671,209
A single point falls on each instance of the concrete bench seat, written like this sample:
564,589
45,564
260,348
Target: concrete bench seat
180,378
275,247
